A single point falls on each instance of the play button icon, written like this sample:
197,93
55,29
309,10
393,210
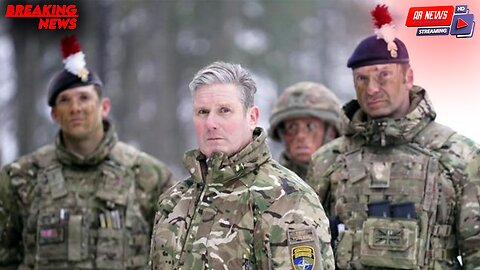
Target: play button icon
461,23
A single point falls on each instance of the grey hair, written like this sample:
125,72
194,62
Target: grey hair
223,73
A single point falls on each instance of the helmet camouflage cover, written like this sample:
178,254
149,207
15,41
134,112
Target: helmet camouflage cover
306,99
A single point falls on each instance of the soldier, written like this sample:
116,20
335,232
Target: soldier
239,209
404,189
88,200
306,116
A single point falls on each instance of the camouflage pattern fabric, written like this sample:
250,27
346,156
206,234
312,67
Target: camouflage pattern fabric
61,211
240,212
381,165
299,168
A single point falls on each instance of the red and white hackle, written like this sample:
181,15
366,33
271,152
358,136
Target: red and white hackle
74,58
384,28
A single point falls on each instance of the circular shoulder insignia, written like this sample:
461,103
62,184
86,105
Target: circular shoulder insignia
303,258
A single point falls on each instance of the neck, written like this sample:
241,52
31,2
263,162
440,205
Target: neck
290,159
403,110
84,146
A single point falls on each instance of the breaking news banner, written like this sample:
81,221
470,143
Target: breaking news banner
45,15
50,17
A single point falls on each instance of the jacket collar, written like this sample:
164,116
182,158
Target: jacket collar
67,157
388,131
221,169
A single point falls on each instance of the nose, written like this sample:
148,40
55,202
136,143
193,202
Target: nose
301,133
211,121
74,106
373,87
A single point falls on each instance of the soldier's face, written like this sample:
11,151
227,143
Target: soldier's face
303,136
221,123
383,90
79,112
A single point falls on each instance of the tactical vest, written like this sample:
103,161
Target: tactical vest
374,189
97,224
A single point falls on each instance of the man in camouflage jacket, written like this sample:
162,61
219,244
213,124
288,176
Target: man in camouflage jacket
87,201
403,191
239,209
306,116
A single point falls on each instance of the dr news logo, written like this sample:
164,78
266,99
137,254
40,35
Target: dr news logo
442,20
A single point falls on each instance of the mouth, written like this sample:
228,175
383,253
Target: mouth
302,148
76,120
214,139
374,102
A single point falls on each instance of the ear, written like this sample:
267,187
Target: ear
253,114
331,133
409,78
106,106
53,114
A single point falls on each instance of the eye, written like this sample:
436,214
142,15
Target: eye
84,97
63,99
291,128
202,112
313,126
224,110
361,79
384,75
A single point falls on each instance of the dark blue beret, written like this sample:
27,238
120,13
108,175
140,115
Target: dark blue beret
65,80
373,51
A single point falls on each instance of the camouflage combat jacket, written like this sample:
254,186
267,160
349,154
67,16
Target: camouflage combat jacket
240,212
404,192
61,211
297,167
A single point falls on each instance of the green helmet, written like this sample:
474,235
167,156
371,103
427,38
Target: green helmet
306,99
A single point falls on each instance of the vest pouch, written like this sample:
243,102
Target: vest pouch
52,236
389,243
344,249
78,237
110,248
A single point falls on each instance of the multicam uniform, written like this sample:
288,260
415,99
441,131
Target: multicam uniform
60,211
242,212
406,192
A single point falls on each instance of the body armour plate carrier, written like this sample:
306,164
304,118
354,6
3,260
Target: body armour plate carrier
397,209
86,219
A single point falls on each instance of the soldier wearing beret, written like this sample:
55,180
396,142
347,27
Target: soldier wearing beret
404,189
239,209
306,116
88,200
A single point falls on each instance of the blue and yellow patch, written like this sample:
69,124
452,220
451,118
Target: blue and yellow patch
303,258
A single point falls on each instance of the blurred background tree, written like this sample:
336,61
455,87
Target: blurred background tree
147,51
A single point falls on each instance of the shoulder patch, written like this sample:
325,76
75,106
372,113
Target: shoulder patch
304,249
300,236
303,258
